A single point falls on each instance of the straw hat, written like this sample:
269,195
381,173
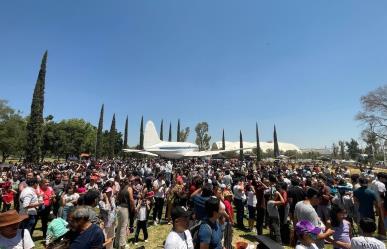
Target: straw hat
11,217
227,193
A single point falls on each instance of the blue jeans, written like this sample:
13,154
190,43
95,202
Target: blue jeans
30,223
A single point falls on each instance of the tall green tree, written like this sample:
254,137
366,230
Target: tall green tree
35,122
142,133
126,134
276,148
162,130
12,132
178,131
202,136
241,146
99,142
342,149
223,141
353,149
112,140
183,135
335,151
259,156
170,132
73,137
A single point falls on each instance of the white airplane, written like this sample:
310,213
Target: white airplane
153,146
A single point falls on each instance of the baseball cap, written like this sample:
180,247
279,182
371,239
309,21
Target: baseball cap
305,226
179,212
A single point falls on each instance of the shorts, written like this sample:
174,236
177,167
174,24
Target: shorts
252,212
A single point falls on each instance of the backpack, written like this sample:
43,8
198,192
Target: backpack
194,230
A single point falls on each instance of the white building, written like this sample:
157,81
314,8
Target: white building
264,146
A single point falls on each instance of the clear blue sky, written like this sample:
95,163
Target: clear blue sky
302,65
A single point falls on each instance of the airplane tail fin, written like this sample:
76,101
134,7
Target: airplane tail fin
150,135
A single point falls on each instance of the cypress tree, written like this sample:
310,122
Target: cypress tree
162,130
170,132
126,133
142,133
178,131
276,148
35,122
112,137
223,141
258,144
241,145
98,145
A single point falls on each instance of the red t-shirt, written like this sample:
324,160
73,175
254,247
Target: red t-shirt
46,194
8,196
229,209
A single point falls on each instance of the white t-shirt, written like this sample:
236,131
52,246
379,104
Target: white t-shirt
28,197
158,184
312,246
251,199
239,193
179,240
366,243
17,241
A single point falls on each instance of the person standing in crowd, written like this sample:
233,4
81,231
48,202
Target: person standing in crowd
11,237
260,189
107,207
228,233
304,211
142,209
58,186
342,228
367,240
251,206
180,237
46,194
275,200
366,200
239,199
324,205
210,233
29,204
159,189
7,196
125,204
199,198
69,200
227,179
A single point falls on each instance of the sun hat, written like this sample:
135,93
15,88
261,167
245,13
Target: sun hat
227,193
11,217
305,226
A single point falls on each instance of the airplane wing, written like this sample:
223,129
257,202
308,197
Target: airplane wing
142,152
148,153
132,150
211,152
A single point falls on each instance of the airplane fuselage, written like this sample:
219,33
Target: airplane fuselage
172,150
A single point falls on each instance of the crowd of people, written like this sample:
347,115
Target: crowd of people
98,204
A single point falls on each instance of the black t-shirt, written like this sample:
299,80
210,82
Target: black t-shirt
297,194
92,238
